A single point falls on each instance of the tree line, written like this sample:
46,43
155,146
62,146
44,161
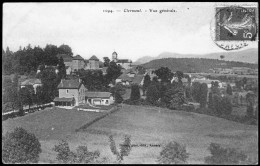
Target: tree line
27,59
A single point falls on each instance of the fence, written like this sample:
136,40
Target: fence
21,112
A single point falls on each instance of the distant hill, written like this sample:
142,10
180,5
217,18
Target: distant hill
143,60
248,56
194,64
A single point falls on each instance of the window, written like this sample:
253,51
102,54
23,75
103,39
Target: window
67,91
106,101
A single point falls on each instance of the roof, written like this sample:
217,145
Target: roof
123,61
63,99
125,77
65,57
98,94
204,81
31,82
137,79
94,58
77,57
114,53
104,69
69,84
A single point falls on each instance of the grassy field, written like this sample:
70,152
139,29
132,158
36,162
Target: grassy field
146,125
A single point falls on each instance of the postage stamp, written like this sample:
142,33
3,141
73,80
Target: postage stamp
234,27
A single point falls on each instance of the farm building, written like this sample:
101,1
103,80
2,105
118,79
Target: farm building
99,98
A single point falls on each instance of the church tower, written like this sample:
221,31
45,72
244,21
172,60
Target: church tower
114,56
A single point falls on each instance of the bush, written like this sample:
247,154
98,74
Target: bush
173,153
203,95
220,155
20,146
125,148
135,92
82,154
118,98
226,106
152,94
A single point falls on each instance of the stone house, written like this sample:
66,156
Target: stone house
71,93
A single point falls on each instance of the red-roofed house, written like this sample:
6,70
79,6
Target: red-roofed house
71,93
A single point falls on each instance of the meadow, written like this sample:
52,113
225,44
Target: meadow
149,126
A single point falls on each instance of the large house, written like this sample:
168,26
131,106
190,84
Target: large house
92,63
71,93
77,62
124,63
99,98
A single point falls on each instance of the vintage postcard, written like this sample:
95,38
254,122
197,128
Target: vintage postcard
130,83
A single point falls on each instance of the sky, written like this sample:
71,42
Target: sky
89,30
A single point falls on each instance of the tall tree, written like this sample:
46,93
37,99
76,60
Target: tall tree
106,61
27,95
195,91
50,55
152,94
65,49
61,68
147,82
113,71
135,92
164,73
229,89
179,75
203,95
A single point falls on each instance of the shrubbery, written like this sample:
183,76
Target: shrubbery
173,153
82,154
220,155
20,146
125,148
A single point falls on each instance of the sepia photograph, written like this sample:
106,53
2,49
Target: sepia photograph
130,83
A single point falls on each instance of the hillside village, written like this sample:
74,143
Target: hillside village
78,87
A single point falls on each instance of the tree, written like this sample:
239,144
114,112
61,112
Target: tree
147,82
225,105
224,156
20,146
50,81
113,71
244,82
118,97
39,96
174,97
210,104
152,94
164,73
140,69
229,89
64,154
61,68
125,148
222,57
173,153
203,95
27,95
50,52
195,91
106,61
65,49
250,99
179,75
135,92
